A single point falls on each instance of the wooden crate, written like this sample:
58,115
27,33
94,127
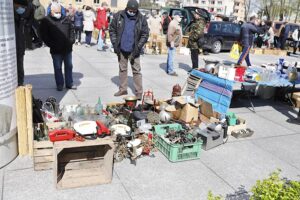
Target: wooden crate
42,155
80,164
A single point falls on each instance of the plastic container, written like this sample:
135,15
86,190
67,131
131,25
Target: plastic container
175,152
231,119
239,74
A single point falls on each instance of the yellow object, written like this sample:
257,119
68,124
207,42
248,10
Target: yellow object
235,51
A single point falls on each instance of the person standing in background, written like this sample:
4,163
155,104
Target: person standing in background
78,25
154,23
29,15
174,38
39,14
196,32
63,9
101,24
129,32
296,38
58,33
71,12
19,11
88,24
284,35
246,38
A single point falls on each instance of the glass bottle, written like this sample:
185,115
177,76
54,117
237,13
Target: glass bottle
99,107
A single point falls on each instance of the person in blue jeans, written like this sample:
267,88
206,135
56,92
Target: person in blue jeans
58,33
174,37
246,38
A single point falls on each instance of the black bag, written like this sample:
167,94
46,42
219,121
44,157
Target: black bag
36,111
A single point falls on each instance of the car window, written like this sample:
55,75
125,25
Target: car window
185,20
226,28
236,29
175,12
215,28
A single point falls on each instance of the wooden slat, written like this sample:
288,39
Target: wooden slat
43,166
82,156
28,97
72,144
43,159
75,182
42,152
88,164
42,144
21,121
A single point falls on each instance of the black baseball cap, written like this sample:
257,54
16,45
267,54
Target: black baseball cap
132,4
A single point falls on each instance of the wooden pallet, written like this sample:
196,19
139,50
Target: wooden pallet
42,155
80,164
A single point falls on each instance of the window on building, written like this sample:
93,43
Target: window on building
114,3
212,2
203,2
236,10
78,1
237,4
96,1
212,10
219,2
219,10
196,1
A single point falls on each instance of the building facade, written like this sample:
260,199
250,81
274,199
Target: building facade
239,10
223,7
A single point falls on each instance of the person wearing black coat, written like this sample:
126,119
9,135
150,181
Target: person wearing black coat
20,20
129,32
78,23
246,39
57,32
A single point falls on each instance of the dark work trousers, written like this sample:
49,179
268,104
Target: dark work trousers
123,59
28,37
58,59
88,37
245,56
20,68
78,31
195,58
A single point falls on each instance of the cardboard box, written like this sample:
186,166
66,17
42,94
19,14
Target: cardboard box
188,111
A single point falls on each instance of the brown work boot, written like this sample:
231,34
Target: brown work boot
120,93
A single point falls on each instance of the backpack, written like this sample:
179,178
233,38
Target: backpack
165,25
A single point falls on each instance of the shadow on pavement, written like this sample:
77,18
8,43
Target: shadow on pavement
116,81
240,194
184,66
163,66
44,85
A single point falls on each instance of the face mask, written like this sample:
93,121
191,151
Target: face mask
20,10
57,15
131,14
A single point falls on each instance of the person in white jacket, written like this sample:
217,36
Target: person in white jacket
296,38
88,25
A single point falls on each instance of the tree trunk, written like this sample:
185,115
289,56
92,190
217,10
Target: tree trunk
297,12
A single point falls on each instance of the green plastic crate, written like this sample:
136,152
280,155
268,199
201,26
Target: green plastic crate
175,152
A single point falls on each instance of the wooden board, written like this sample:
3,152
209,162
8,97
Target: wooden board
21,121
79,164
42,155
28,97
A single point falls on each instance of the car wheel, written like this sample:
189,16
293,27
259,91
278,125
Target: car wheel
216,46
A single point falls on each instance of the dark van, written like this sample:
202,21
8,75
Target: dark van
220,35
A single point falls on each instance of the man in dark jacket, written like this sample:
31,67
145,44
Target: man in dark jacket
20,20
196,32
57,32
128,33
246,38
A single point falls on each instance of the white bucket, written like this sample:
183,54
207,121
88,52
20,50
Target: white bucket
8,147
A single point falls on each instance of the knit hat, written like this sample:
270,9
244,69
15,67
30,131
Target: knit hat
132,4
21,2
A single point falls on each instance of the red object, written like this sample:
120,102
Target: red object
101,22
102,130
239,74
61,135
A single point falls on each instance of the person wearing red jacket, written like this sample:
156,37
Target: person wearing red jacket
101,24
